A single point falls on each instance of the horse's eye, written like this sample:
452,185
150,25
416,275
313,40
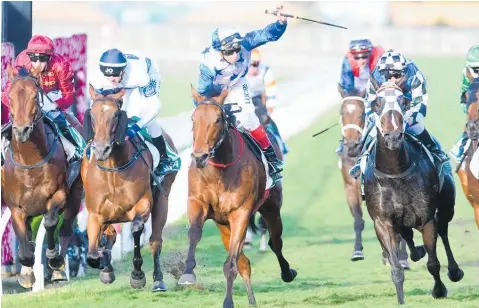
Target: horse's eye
218,121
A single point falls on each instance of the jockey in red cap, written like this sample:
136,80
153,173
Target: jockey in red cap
56,81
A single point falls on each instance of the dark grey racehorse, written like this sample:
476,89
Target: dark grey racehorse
403,191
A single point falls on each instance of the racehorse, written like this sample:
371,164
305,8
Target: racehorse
118,189
35,176
352,121
403,191
469,180
227,183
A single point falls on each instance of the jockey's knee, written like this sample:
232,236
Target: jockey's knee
154,129
416,129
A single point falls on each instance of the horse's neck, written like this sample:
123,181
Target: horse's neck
228,149
119,156
389,161
34,149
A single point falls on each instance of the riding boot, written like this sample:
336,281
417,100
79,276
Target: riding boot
460,147
169,161
64,127
7,134
355,171
273,160
434,147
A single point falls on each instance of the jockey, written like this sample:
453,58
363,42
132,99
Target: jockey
472,66
141,79
225,64
56,82
391,67
358,63
262,85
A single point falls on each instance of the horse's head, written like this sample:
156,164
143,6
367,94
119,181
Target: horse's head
105,123
25,108
352,119
391,106
209,126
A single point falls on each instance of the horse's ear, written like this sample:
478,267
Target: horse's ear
222,97
374,83
10,71
92,91
341,90
119,95
87,127
196,95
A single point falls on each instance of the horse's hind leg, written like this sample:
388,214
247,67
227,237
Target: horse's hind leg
107,273
271,214
429,235
159,213
389,240
244,266
417,252
137,278
25,249
263,229
444,215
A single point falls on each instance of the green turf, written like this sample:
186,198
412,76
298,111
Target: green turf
318,239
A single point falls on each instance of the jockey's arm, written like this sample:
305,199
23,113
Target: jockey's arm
347,77
64,97
270,89
419,100
206,86
150,94
370,101
271,33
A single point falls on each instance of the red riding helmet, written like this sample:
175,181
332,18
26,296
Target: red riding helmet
40,44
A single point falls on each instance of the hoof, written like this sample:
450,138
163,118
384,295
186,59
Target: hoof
58,276
159,286
137,282
456,275
439,290
94,263
26,278
288,277
420,253
357,255
404,264
107,277
187,279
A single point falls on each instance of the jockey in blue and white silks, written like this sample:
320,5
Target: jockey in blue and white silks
141,79
391,67
225,64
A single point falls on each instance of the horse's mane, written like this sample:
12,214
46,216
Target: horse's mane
23,71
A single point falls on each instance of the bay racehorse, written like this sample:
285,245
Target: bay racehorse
469,173
118,189
227,183
35,176
403,191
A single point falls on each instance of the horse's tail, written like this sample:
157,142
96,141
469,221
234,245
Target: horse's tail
252,225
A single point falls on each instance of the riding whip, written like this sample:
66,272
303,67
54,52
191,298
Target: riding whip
302,18
324,130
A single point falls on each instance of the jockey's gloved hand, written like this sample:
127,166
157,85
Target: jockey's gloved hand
132,130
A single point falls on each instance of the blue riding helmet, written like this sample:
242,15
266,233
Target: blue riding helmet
225,39
112,62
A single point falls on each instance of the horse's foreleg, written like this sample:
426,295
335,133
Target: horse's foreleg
107,273
272,217
137,279
244,266
429,235
389,240
354,199
417,252
159,213
476,212
71,211
197,217
94,226
54,206
25,249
